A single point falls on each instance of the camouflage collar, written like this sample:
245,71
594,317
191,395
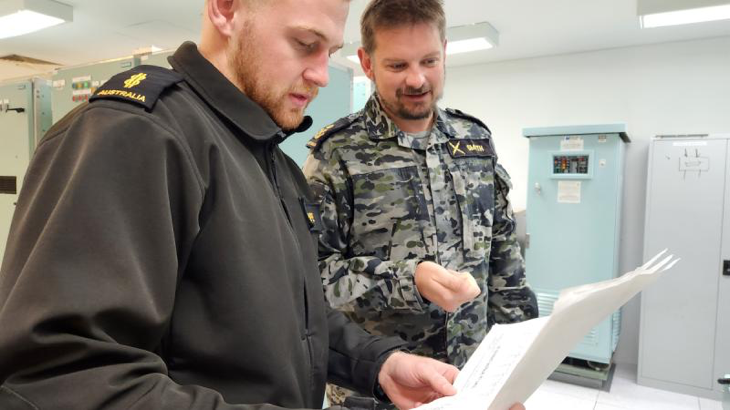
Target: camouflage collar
380,127
443,125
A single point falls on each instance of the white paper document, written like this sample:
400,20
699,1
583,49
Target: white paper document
513,360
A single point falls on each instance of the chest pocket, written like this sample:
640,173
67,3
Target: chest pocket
389,214
474,182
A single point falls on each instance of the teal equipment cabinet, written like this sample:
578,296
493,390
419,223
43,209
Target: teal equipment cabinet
25,115
73,86
574,219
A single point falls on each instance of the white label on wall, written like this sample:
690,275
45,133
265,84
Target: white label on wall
690,144
571,144
59,84
81,92
569,192
602,139
81,79
602,163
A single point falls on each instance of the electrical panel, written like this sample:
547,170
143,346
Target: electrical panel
574,218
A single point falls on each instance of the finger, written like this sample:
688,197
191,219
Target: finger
450,373
517,406
446,279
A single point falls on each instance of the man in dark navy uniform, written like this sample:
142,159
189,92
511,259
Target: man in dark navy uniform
163,252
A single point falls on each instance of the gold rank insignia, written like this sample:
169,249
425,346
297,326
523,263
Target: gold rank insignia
135,80
311,211
313,142
141,85
470,148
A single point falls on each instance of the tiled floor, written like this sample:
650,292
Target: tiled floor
625,394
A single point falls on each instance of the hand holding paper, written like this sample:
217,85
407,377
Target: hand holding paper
513,360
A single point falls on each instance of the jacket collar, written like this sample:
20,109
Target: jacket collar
224,97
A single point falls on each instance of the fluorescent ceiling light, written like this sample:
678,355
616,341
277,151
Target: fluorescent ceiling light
467,46
18,17
675,18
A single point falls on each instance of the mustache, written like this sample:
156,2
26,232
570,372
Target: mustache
413,91
310,92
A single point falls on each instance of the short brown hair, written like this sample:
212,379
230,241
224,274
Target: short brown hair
397,13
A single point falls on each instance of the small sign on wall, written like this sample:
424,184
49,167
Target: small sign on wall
569,192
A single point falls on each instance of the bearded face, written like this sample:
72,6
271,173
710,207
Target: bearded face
284,98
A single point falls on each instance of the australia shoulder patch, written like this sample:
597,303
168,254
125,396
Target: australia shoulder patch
141,85
330,130
461,114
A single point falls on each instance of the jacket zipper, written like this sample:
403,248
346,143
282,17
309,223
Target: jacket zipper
272,167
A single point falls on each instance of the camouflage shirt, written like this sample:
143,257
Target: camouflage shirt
389,201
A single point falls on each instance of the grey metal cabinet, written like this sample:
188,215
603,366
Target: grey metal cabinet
25,115
685,317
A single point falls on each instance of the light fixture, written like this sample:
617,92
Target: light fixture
18,17
461,39
660,13
147,50
472,37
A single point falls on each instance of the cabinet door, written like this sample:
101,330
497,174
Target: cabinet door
722,343
684,210
14,151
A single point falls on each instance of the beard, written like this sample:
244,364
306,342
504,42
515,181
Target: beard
246,60
418,111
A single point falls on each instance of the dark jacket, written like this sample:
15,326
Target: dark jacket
161,257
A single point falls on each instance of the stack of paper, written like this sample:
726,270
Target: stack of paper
513,360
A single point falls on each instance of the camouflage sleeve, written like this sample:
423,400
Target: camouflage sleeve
510,297
373,283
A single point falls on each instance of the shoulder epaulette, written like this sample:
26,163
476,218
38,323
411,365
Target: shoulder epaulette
141,85
330,130
461,114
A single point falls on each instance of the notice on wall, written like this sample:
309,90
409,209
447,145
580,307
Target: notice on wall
571,144
569,192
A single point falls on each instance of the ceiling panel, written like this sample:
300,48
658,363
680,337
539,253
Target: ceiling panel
105,29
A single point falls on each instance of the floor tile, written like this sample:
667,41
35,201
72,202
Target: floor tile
603,406
627,394
707,404
568,389
545,400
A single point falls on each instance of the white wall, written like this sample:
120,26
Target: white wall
674,88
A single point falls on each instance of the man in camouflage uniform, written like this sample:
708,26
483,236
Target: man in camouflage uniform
413,203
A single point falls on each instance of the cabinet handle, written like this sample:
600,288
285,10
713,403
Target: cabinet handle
725,380
726,268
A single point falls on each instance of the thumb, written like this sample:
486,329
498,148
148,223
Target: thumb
439,383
